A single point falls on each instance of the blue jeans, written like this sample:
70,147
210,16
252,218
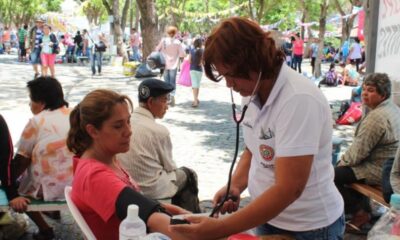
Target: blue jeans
170,77
97,56
78,52
335,231
296,62
135,53
35,56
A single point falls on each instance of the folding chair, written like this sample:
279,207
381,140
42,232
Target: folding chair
77,215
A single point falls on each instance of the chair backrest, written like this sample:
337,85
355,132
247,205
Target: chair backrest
77,215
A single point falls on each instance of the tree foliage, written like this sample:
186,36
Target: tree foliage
18,12
94,11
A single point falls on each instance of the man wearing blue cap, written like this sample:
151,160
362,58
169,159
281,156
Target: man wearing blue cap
149,159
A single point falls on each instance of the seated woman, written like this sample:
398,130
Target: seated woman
375,141
350,75
102,190
42,151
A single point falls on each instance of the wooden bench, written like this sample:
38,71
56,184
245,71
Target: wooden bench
373,192
39,205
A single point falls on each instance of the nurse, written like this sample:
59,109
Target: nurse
286,162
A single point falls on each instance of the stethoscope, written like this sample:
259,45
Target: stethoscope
237,121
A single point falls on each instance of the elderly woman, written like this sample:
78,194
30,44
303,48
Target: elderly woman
375,141
42,151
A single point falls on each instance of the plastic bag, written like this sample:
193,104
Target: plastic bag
184,78
144,71
12,225
384,228
156,60
352,115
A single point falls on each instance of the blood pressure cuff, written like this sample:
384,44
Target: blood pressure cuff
146,205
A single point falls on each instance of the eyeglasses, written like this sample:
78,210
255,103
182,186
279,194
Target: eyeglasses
218,76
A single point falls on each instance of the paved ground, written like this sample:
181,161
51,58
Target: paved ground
203,138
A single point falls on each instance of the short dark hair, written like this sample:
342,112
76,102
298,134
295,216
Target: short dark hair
47,90
381,82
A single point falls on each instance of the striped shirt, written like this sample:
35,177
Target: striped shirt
376,139
149,159
38,37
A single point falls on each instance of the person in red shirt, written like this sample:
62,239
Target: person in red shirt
298,49
102,190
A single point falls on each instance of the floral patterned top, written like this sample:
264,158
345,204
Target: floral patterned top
44,142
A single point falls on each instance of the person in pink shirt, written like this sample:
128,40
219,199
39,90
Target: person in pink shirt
135,44
69,45
172,50
298,49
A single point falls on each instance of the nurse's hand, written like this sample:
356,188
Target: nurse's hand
232,204
200,228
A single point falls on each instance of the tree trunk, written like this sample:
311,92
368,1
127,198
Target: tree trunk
251,15
137,17
149,25
125,14
117,28
347,23
260,12
131,15
322,29
367,9
347,26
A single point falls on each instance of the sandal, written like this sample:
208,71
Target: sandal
195,104
353,229
360,223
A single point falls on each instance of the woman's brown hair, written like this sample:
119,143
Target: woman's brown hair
171,31
242,46
94,109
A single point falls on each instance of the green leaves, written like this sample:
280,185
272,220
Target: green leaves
23,11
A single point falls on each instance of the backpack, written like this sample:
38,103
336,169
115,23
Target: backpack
56,47
330,78
144,71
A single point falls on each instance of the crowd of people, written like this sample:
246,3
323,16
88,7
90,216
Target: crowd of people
115,154
40,46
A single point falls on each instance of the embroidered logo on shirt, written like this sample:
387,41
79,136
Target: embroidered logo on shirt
267,152
266,135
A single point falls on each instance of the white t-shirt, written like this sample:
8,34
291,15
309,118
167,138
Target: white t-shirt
295,121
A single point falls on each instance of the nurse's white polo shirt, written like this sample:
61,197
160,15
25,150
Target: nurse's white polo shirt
295,121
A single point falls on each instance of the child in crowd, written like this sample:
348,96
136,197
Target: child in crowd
350,76
331,77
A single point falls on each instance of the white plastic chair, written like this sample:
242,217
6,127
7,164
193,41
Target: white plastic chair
77,215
